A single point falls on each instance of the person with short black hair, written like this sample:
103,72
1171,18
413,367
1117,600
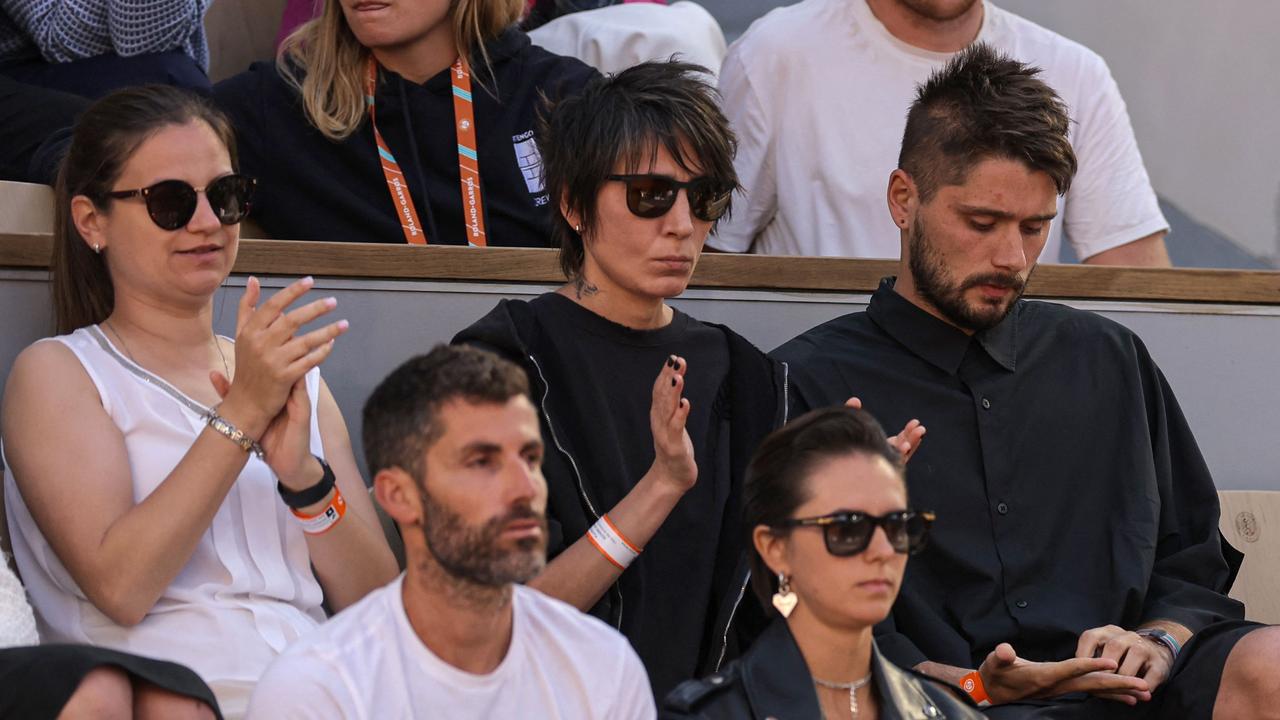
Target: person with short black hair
1076,570
825,503
644,472
453,440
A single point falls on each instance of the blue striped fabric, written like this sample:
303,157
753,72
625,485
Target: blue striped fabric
66,30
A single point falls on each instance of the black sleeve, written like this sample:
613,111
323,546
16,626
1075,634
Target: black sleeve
896,646
1194,565
244,99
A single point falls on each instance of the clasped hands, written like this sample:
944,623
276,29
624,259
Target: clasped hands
267,396
1110,662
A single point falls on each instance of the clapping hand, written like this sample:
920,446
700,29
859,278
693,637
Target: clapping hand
267,396
669,411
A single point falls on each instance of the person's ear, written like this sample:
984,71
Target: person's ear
903,197
772,547
90,222
397,493
573,217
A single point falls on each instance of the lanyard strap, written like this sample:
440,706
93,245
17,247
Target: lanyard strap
468,161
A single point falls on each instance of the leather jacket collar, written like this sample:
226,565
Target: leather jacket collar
778,683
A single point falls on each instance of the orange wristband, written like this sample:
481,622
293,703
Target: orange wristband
323,521
972,684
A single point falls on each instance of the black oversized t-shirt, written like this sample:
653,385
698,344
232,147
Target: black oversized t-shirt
311,188
599,379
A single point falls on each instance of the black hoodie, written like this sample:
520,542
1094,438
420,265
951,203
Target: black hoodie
755,399
311,188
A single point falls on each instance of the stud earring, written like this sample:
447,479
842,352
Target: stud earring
578,228
784,601
97,248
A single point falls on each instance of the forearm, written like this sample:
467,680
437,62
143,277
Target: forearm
142,552
946,673
1149,251
580,575
351,559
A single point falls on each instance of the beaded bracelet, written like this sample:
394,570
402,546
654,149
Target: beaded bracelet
233,433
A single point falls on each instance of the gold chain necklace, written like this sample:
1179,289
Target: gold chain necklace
125,346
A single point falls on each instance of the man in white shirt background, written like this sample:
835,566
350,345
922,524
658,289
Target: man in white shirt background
455,446
818,94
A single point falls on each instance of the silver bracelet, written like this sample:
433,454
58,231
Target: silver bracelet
233,433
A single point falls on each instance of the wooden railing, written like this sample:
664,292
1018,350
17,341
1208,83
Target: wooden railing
758,272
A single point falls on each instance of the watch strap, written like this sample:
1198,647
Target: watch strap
312,495
1162,637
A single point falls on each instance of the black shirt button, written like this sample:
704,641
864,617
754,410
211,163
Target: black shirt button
1002,508
1022,604
986,404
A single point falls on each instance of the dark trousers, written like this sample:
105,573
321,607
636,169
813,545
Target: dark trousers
35,125
96,76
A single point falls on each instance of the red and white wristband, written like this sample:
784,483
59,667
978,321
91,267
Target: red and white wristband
323,521
611,543
972,684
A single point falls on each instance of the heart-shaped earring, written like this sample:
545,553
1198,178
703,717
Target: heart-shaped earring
784,601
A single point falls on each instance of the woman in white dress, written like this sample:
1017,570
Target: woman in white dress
172,493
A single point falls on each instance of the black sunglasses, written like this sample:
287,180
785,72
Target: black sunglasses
172,203
651,196
849,532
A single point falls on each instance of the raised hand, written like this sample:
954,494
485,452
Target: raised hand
287,440
905,442
669,411
270,357
1009,678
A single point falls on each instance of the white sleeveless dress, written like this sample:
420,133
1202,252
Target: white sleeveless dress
246,592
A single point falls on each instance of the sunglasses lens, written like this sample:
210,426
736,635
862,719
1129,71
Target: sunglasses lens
849,537
650,197
709,200
171,203
230,197
917,532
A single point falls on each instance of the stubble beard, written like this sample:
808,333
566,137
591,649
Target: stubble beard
934,285
475,555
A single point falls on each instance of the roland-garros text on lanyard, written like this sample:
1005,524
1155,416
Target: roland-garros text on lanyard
468,162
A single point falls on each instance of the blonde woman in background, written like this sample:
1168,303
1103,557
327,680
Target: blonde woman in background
402,121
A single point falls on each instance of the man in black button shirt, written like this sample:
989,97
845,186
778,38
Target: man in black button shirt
1076,560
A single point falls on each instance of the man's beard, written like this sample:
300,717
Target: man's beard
934,284
475,553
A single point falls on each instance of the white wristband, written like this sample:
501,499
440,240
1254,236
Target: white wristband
611,543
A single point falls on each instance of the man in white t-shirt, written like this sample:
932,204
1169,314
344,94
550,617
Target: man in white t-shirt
818,93
455,446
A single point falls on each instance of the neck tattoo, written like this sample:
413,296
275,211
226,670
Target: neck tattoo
852,687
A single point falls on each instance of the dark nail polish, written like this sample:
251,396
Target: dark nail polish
673,382
675,364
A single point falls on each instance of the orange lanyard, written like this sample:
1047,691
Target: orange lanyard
468,162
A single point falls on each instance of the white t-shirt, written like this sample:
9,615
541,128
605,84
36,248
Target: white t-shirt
818,93
614,38
368,663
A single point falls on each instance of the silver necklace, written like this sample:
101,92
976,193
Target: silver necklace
852,687
217,345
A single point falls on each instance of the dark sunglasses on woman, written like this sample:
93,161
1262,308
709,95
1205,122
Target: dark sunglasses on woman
848,532
651,196
172,203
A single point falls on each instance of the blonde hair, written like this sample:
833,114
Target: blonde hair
331,61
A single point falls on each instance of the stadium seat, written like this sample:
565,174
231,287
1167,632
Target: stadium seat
1251,522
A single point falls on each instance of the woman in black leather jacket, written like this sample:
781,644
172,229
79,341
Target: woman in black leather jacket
827,503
